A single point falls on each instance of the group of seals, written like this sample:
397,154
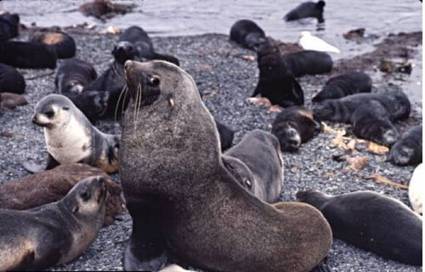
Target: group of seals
373,222
55,233
294,126
363,109
408,149
70,137
60,42
49,186
306,10
201,215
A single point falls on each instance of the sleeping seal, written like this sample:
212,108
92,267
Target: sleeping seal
408,150
306,10
247,34
70,137
27,55
372,222
182,199
343,85
11,80
294,126
308,62
54,233
60,42
416,189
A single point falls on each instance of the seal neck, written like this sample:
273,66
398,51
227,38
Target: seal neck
314,198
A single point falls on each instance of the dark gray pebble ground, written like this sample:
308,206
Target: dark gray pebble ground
225,79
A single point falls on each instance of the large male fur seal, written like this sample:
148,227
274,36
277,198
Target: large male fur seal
70,137
49,186
408,150
27,55
9,26
373,222
306,10
260,151
182,199
294,126
343,85
247,34
308,62
276,82
55,233
11,80
60,42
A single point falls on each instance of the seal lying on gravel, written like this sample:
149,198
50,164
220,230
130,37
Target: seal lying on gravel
306,10
143,44
9,26
70,137
182,199
276,83
10,101
408,150
60,42
372,222
294,126
55,233
308,62
247,34
27,55
343,85
260,151
11,80
51,185
104,9
416,189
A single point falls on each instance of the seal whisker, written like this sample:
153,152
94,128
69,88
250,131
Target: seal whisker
118,102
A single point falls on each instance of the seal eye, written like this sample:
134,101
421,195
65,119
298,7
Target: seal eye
154,80
85,196
49,113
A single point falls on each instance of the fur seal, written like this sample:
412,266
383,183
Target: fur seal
247,34
104,9
343,85
60,42
49,186
308,62
306,10
54,233
27,55
276,82
416,189
9,26
11,100
260,151
143,44
408,150
73,75
294,126
195,209
372,222
70,137
11,80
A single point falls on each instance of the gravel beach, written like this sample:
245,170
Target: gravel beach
225,77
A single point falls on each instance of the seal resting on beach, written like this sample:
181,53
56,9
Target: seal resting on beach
372,222
54,233
52,185
308,62
408,149
182,199
11,80
247,34
27,55
60,42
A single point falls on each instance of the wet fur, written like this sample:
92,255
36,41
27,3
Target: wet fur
306,10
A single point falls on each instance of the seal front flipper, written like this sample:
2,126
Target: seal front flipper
36,168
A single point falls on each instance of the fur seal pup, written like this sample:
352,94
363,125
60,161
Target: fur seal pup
11,100
247,34
408,150
306,10
27,55
9,26
70,137
395,102
60,42
73,75
343,85
143,44
54,233
52,185
260,151
372,222
165,188
294,126
308,62
276,82
416,189
11,80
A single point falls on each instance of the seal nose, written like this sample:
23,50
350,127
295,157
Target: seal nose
34,119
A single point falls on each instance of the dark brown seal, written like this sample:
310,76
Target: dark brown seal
185,203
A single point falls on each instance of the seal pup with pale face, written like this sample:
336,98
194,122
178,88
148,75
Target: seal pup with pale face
373,222
70,137
54,233
182,199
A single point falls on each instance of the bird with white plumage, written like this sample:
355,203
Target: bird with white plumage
310,42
